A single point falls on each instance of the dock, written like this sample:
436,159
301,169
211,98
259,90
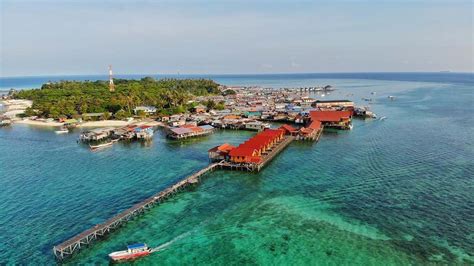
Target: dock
84,239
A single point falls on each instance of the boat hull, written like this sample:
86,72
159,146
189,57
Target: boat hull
124,255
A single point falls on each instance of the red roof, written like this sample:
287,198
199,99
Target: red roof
315,124
255,143
196,129
242,152
306,131
330,116
224,148
287,128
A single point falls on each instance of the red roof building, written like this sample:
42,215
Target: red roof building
289,130
330,116
251,150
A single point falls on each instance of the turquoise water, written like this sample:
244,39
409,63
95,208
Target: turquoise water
397,191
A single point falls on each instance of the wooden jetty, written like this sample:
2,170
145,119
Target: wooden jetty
266,158
74,244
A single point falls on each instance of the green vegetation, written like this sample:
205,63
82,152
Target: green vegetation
73,98
228,92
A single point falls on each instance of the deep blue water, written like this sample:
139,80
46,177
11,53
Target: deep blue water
7,83
393,192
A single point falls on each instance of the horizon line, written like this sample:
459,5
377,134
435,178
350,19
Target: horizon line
242,74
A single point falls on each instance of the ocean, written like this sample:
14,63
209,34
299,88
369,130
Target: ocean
396,191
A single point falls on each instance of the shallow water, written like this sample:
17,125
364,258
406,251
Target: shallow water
396,191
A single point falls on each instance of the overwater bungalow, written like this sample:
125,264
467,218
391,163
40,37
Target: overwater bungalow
311,132
220,152
189,131
144,132
334,119
97,134
334,104
251,151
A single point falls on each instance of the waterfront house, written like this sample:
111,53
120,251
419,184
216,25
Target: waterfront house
289,130
220,152
187,131
336,119
143,132
251,151
199,109
312,132
94,116
149,110
256,125
334,104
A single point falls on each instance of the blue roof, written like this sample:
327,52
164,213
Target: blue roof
138,245
206,127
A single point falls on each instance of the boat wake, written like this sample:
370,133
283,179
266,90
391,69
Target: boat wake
165,245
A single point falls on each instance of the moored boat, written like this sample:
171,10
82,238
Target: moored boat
101,146
5,122
133,251
62,130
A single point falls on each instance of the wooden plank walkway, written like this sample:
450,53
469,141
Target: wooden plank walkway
74,244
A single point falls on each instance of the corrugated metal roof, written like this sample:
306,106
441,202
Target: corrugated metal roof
206,127
181,130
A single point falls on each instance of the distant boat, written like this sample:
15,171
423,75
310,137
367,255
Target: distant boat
62,130
132,252
391,97
5,122
101,146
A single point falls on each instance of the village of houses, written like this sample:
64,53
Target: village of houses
297,116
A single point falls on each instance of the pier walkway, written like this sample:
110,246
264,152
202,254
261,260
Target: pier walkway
74,244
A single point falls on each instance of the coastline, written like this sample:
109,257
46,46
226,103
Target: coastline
103,123
38,123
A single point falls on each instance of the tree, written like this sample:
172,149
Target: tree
210,104
105,116
72,98
228,92
121,114
141,113
30,112
220,106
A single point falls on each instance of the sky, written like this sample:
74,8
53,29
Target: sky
48,37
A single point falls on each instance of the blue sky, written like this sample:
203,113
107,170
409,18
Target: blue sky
46,37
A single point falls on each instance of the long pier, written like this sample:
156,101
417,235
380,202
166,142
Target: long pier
74,244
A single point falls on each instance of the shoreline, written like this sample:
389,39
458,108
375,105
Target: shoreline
103,123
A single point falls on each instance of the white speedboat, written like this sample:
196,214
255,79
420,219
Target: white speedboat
101,146
133,252
62,130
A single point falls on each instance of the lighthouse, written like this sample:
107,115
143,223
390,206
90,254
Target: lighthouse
111,80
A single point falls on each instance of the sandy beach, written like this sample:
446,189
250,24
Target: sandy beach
38,123
105,123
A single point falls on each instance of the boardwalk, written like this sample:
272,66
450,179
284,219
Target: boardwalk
74,244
